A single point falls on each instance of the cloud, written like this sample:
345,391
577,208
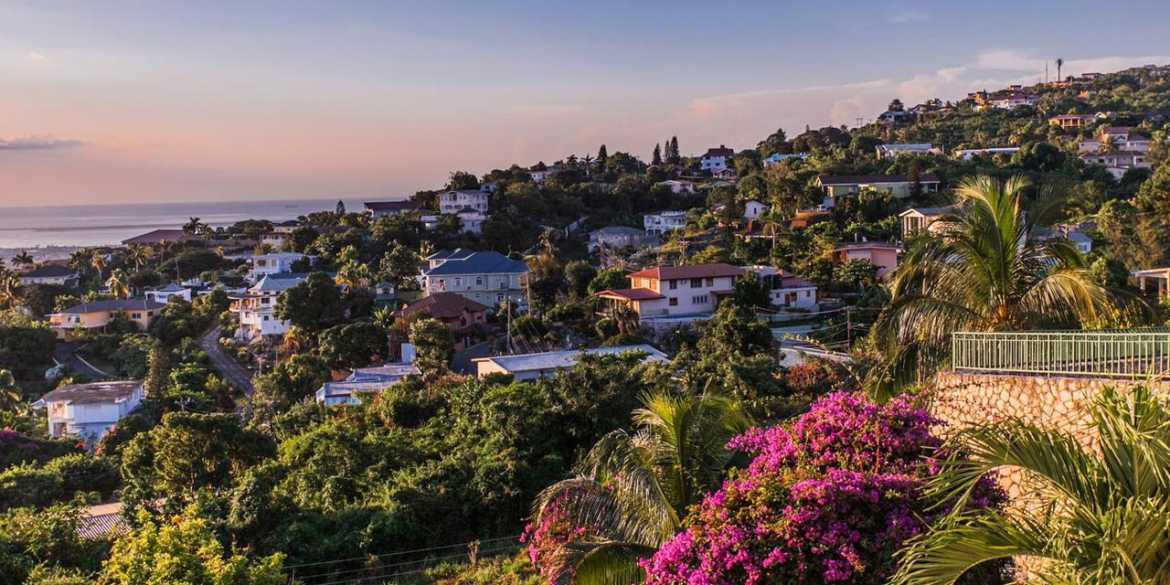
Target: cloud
35,56
37,143
907,16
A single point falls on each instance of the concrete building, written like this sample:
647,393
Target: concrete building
453,202
787,291
667,291
616,237
94,316
50,274
899,186
532,366
717,159
1072,121
679,187
256,308
89,411
363,382
918,219
664,221
274,263
890,151
484,277
776,158
754,209
883,255
970,153
163,295
378,209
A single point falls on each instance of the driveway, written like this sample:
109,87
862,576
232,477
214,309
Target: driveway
66,353
230,369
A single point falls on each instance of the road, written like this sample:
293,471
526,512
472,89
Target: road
227,367
66,353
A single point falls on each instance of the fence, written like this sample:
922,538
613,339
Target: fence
1102,354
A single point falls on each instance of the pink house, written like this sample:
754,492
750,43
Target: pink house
881,254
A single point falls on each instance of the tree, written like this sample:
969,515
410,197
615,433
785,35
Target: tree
579,274
10,397
185,550
119,284
194,226
609,279
656,157
433,345
98,261
23,258
985,273
340,209
313,304
673,157
1059,66
1104,516
399,266
632,490
291,381
752,291
602,157
158,370
462,180
896,106
352,345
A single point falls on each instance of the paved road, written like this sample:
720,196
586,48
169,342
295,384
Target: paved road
66,353
227,367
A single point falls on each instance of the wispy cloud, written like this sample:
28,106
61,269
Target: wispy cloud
907,16
38,143
36,56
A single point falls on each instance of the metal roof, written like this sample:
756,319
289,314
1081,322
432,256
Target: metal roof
553,360
479,263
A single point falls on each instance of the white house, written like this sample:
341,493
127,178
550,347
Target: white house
531,366
776,158
888,151
274,239
716,159
256,308
1011,100
679,186
669,291
471,221
50,274
163,295
917,219
616,236
787,291
378,209
484,277
455,201
89,411
363,381
664,221
754,209
1117,163
899,186
970,153
1122,138
274,263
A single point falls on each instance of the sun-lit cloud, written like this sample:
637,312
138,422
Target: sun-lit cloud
38,143
36,56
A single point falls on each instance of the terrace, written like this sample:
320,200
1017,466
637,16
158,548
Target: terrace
1119,354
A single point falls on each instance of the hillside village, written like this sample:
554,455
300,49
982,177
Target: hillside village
429,370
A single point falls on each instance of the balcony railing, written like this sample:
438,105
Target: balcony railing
1102,354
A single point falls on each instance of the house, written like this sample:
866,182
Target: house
385,292
274,239
1121,139
668,291
365,381
1081,240
163,295
716,159
776,158
453,202
889,151
806,217
89,411
286,227
970,153
1072,121
787,291
678,186
664,221
50,274
484,277
256,307
1013,99
532,366
1074,234
916,219
616,236
96,315
900,186
378,209
155,237
883,255
1117,163
471,221
754,209
274,263
456,311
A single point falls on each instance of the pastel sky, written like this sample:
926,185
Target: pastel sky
109,102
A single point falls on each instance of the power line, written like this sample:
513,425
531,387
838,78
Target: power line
400,553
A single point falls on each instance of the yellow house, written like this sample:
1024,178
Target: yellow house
98,314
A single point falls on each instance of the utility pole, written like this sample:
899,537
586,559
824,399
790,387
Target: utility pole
848,328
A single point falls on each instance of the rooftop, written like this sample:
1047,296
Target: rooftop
94,392
617,230
872,179
279,281
691,271
158,237
391,205
113,305
489,262
443,305
553,360
49,271
631,294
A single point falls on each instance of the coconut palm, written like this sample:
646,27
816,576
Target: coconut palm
98,260
23,258
985,273
1102,519
1059,66
9,288
119,284
194,226
140,256
632,490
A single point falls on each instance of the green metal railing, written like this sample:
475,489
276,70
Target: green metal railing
1105,354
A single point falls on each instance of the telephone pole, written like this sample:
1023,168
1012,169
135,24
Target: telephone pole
848,329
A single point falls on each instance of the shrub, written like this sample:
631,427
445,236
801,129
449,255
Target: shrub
28,486
85,473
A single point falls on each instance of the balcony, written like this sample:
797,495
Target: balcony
1142,353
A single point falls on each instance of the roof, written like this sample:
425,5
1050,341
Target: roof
631,294
158,236
867,246
279,281
102,522
113,305
721,151
391,205
94,392
294,256
617,230
929,211
692,271
170,288
49,271
553,360
384,372
443,305
479,263
795,282
871,179
907,146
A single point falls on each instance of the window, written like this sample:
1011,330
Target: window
710,282
458,282
699,300
674,301
479,281
135,315
696,283
673,284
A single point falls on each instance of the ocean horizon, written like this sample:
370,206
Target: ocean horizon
109,224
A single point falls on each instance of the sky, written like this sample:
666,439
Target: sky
118,102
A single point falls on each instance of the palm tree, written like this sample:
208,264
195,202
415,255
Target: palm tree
9,288
1059,66
140,255
119,284
194,226
97,260
632,490
9,394
23,258
985,273
1103,519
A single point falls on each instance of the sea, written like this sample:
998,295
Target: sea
98,225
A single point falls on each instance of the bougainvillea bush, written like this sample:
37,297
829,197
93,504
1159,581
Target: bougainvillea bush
827,499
